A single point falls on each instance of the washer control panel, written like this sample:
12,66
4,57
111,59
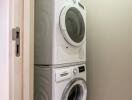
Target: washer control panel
63,74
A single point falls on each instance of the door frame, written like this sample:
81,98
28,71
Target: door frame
28,52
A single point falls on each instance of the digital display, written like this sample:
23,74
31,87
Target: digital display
81,69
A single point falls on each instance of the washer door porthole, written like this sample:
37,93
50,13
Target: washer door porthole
75,93
72,25
76,90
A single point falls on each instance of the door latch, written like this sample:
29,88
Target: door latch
16,37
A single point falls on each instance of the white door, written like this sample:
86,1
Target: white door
16,49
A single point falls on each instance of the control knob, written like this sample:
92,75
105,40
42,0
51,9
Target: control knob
75,71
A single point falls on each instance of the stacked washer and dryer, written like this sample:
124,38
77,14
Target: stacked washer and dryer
60,50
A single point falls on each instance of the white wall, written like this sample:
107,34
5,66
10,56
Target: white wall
4,49
109,49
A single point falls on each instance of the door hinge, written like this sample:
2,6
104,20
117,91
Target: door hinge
16,37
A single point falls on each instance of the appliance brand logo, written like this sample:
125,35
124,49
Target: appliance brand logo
64,74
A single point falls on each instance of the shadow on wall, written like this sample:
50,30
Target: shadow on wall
109,49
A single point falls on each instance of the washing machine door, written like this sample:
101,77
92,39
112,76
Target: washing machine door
72,25
75,90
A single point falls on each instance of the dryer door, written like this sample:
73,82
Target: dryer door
76,90
72,24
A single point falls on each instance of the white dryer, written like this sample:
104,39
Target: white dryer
67,83
60,32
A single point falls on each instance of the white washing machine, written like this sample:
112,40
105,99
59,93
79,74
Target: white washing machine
60,32
67,83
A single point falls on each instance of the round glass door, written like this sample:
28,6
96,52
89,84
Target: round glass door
72,25
76,90
75,93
